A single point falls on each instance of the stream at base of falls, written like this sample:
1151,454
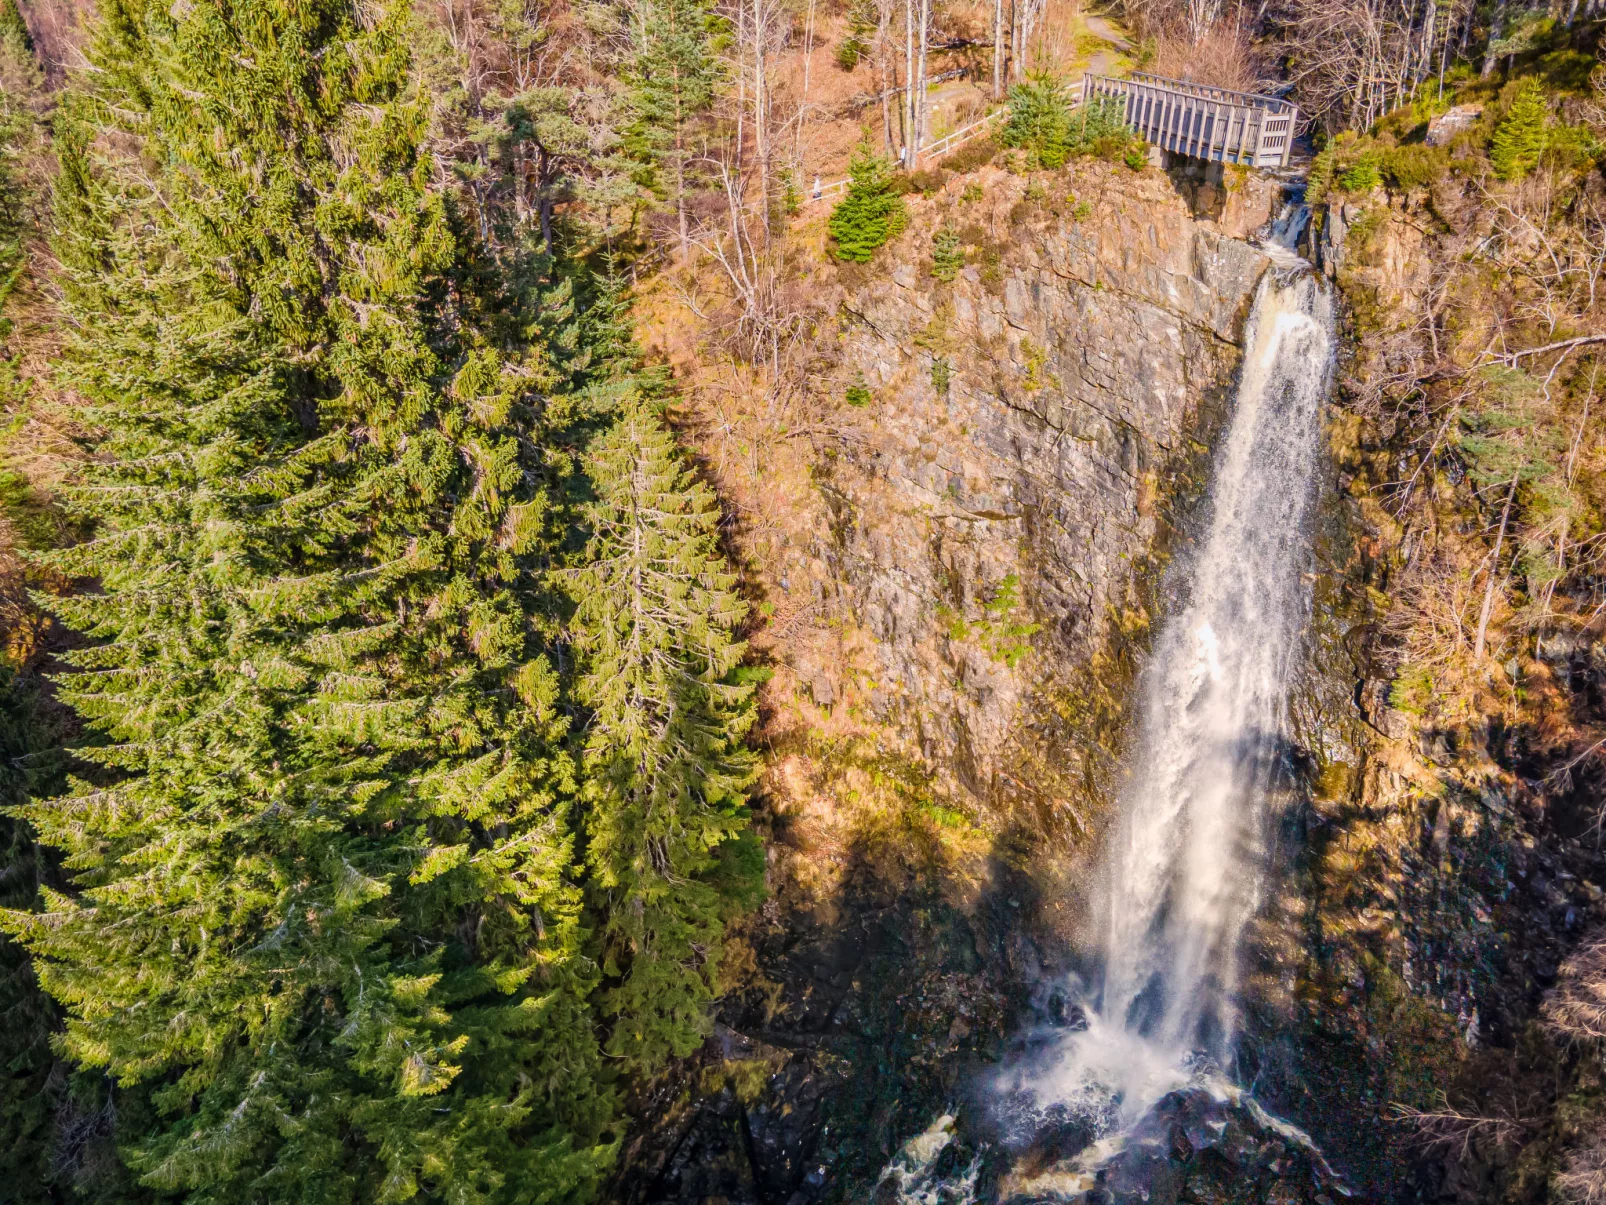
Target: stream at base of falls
1136,1065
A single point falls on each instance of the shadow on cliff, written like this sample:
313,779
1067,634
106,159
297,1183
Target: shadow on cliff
1408,1038
861,1020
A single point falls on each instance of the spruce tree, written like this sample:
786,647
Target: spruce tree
870,213
322,929
13,27
666,770
1040,119
1519,140
673,76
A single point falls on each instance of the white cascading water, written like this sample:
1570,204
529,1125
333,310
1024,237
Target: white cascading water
1182,873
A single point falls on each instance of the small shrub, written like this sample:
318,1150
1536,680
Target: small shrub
923,182
1081,211
971,195
858,394
976,153
1365,174
1137,155
870,214
1415,166
1572,147
941,375
855,48
947,255
1036,192
1320,179
1043,125
1007,639
1412,691
1040,119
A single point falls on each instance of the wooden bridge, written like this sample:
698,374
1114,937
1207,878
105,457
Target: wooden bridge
1215,124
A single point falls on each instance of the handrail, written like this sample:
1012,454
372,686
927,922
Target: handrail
944,144
948,141
1200,121
1259,100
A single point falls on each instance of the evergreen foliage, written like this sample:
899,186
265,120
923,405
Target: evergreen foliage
947,254
13,27
1364,174
1040,119
862,25
326,936
870,213
1043,123
673,78
666,773
1519,140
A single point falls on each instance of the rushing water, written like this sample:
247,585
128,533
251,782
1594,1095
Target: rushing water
1182,873
1181,877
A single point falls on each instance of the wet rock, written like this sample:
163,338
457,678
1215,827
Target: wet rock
1205,1145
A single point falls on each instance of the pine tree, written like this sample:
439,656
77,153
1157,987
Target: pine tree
13,27
1040,119
1519,140
863,21
870,213
673,77
666,770
947,253
322,931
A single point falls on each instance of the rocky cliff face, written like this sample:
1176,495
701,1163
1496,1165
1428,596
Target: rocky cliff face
952,538
1023,426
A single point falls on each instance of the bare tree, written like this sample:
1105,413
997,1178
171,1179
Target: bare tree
1355,60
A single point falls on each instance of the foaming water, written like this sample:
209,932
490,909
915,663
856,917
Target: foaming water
1182,872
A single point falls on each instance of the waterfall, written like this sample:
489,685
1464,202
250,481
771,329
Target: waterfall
1182,873
1183,870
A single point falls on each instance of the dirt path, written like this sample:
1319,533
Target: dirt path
1103,27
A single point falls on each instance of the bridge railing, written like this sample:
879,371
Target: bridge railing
1202,121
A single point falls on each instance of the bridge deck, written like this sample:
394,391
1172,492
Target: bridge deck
1207,123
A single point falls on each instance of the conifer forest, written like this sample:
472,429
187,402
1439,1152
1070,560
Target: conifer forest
763,602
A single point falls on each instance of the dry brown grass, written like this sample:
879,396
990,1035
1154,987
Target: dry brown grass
1575,1009
1582,1178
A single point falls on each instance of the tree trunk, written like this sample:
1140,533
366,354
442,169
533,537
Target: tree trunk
803,99
998,49
907,115
1497,29
543,198
888,75
1494,573
920,92
761,141
1014,39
